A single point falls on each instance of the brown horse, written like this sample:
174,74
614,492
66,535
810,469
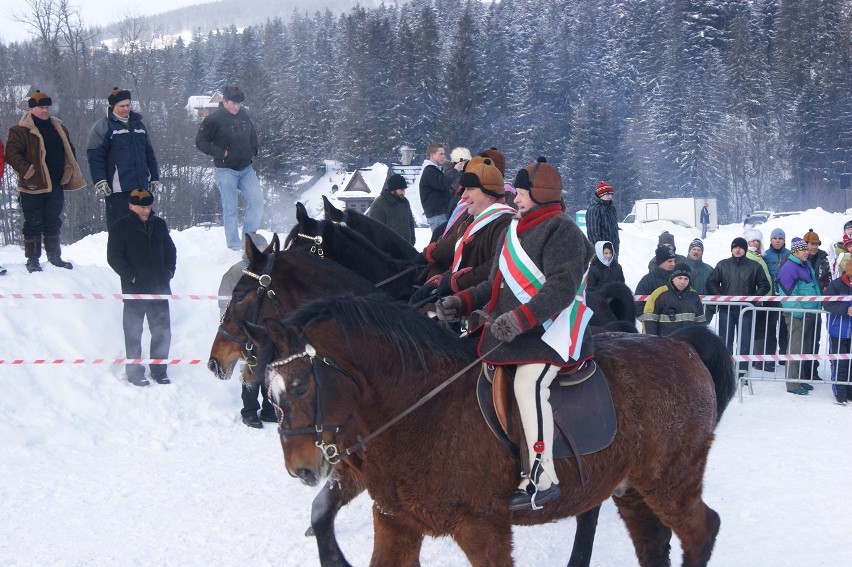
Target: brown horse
291,279
350,366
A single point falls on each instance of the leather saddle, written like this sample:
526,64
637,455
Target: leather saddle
583,412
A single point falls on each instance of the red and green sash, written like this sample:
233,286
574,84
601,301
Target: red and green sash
564,332
482,220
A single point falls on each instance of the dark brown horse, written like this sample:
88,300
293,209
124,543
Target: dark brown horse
350,366
352,250
375,231
292,279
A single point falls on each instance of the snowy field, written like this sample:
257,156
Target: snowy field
94,471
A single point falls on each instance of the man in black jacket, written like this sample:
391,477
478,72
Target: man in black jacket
393,209
602,218
436,187
141,252
737,275
229,137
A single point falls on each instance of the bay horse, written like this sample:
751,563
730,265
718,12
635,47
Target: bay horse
440,471
294,278
352,250
377,232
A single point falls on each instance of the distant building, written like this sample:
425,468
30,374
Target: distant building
200,106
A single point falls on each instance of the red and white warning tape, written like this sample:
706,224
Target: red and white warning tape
46,361
785,357
770,298
108,296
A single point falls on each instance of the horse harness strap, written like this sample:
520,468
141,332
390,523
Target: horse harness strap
317,243
396,276
329,451
264,290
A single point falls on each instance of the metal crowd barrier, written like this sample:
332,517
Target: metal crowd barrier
769,353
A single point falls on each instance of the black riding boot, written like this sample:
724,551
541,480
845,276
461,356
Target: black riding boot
32,250
54,251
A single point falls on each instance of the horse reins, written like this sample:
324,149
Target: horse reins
330,452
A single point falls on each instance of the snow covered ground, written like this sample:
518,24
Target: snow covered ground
94,471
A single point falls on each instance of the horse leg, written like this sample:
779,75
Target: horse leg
394,545
696,524
337,492
650,537
584,538
486,541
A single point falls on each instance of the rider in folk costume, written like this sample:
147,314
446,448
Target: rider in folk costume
535,300
463,256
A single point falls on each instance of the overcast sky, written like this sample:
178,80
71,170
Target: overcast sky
92,12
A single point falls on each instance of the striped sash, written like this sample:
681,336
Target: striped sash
565,331
482,220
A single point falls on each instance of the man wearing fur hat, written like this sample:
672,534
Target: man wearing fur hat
121,157
602,218
463,257
141,252
737,275
39,149
229,137
538,274
393,209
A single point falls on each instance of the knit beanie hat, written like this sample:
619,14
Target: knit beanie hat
497,158
542,180
811,237
798,244
666,238
141,197
739,242
485,176
396,181
39,98
604,188
233,94
845,226
459,154
117,95
681,270
777,233
696,244
663,254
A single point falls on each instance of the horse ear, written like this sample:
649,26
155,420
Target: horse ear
301,213
274,245
257,334
327,208
277,332
252,251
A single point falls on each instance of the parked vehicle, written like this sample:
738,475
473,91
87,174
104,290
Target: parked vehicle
685,210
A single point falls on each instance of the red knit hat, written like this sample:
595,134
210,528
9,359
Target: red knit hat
604,188
847,241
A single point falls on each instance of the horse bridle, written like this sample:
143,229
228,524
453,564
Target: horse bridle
316,247
264,290
330,451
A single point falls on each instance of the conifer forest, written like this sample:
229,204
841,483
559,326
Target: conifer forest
747,101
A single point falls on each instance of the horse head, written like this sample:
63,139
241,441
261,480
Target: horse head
247,301
314,397
334,214
309,234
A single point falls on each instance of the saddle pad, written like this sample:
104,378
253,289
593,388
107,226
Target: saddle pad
584,409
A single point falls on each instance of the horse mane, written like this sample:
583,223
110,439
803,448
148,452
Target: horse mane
407,331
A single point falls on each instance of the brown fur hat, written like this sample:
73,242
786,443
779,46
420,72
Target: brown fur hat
39,98
117,95
542,180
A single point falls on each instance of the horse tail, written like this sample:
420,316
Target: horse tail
715,356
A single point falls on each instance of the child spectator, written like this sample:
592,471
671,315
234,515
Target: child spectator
605,267
673,306
840,328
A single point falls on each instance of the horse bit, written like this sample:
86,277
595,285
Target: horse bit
330,451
